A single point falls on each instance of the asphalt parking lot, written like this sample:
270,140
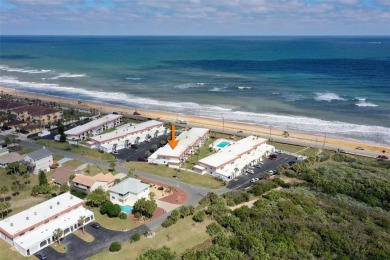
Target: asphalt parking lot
79,249
131,154
243,181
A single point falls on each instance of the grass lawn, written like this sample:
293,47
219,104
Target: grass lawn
57,157
84,236
7,252
309,152
201,153
60,248
287,147
84,151
112,223
187,177
24,200
73,163
26,150
180,237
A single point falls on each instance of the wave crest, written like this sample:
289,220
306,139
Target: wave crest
327,96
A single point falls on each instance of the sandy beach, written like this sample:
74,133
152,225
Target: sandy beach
200,121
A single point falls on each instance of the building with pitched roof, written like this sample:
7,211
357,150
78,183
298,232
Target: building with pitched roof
90,183
31,113
92,128
10,158
40,160
33,229
128,191
62,175
232,160
189,142
128,134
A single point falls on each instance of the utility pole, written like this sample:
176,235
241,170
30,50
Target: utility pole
323,146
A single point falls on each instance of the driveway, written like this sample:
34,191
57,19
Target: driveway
131,154
79,249
243,181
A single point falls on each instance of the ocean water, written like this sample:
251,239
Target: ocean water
334,85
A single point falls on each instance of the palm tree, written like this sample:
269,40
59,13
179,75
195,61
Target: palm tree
57,233
114,146
112,166
81,221
126,143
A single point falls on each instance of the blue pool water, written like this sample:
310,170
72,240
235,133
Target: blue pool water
127,209
223,144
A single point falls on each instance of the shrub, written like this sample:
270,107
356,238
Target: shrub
112,210
160,188
199,216
167,223
123,215
135,237
115,246
213,229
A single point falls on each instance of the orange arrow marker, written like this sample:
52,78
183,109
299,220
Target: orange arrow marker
173,142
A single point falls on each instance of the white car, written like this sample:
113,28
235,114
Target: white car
254,180
114,152
272,172
250,171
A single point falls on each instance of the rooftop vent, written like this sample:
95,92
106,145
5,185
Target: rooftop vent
12,224
27,218
58,203
35,213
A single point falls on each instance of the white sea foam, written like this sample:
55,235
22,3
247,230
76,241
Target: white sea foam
133,78
363,103
327,96
244,88
291,123
22,70
68,75
189,85
360,98
291,97
218,89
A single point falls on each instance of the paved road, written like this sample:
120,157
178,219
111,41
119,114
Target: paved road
243,181
79,249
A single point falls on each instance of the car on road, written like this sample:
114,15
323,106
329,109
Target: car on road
272,172
382,157
41,255
142,159
254,180
250,171
359,148
257,165
95,225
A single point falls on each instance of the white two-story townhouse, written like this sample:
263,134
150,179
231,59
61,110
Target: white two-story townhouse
231,161
189,142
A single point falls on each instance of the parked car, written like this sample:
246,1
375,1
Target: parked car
114,152
254,180
272,172
24,132
280,152
272,157
142,159
239,132
41,255
383,157
359,148
134,146
258,165
250,171
95,225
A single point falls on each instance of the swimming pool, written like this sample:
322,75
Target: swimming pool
127,209
223,144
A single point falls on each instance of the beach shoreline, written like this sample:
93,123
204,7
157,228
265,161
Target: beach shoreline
201,121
